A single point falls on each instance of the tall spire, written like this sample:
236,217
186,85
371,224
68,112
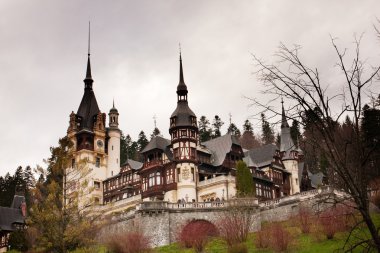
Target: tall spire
284,122
180,66
88,80
181,88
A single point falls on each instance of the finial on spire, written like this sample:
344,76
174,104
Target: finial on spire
88,80
113,102
155,121
284,122
89,37
181,80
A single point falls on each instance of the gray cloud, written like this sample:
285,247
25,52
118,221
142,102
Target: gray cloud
43,47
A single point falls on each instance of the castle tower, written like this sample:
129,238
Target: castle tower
113,142
184,136
289,154
88,133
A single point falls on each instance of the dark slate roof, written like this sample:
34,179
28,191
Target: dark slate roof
220,146
183,113
181,88
260,156
135,165
316,179
157,142
88,109
10,216
17,200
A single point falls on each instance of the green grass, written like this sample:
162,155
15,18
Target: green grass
303,243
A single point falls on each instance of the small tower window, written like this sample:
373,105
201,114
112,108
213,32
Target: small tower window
73,163
96,185
97,164
112,147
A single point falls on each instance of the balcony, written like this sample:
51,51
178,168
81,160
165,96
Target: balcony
216,180
152,164
158,190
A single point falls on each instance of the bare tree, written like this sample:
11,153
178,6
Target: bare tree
311,99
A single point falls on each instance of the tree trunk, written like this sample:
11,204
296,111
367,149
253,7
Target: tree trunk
372,229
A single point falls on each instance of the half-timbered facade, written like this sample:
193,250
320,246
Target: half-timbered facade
179,169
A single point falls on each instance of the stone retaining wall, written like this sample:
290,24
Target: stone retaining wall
162,221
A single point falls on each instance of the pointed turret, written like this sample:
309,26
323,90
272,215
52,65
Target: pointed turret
284,122
181,88
183,115
287,145
88,80
113,117
88,108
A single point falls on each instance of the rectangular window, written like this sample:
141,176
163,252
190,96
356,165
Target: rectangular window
73,163
96,185
97,164
183,133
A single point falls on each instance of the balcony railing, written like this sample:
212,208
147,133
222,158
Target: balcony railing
298,197
152,164
218,179
158,190
162,205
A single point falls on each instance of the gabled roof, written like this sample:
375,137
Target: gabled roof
12,215
135,165
17,201
220,146
260,156
156,142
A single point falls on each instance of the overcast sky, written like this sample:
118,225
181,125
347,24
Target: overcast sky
134,57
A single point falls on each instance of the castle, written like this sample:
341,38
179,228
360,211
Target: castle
181,169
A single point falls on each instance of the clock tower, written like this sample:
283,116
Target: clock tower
87,132
184,139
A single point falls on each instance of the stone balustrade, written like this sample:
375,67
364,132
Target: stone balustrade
298,197
218,179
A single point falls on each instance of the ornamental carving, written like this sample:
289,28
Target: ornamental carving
185,173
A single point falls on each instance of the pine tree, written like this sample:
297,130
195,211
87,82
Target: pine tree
295,132
244,180
123,148
247,127
217,124
205,131
232,129
142,141
267,131
156,132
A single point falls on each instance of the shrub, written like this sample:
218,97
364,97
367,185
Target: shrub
196,234
329,222
275,236
339,218
280,238
234,224
128,242
238,248
305,219
262,239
